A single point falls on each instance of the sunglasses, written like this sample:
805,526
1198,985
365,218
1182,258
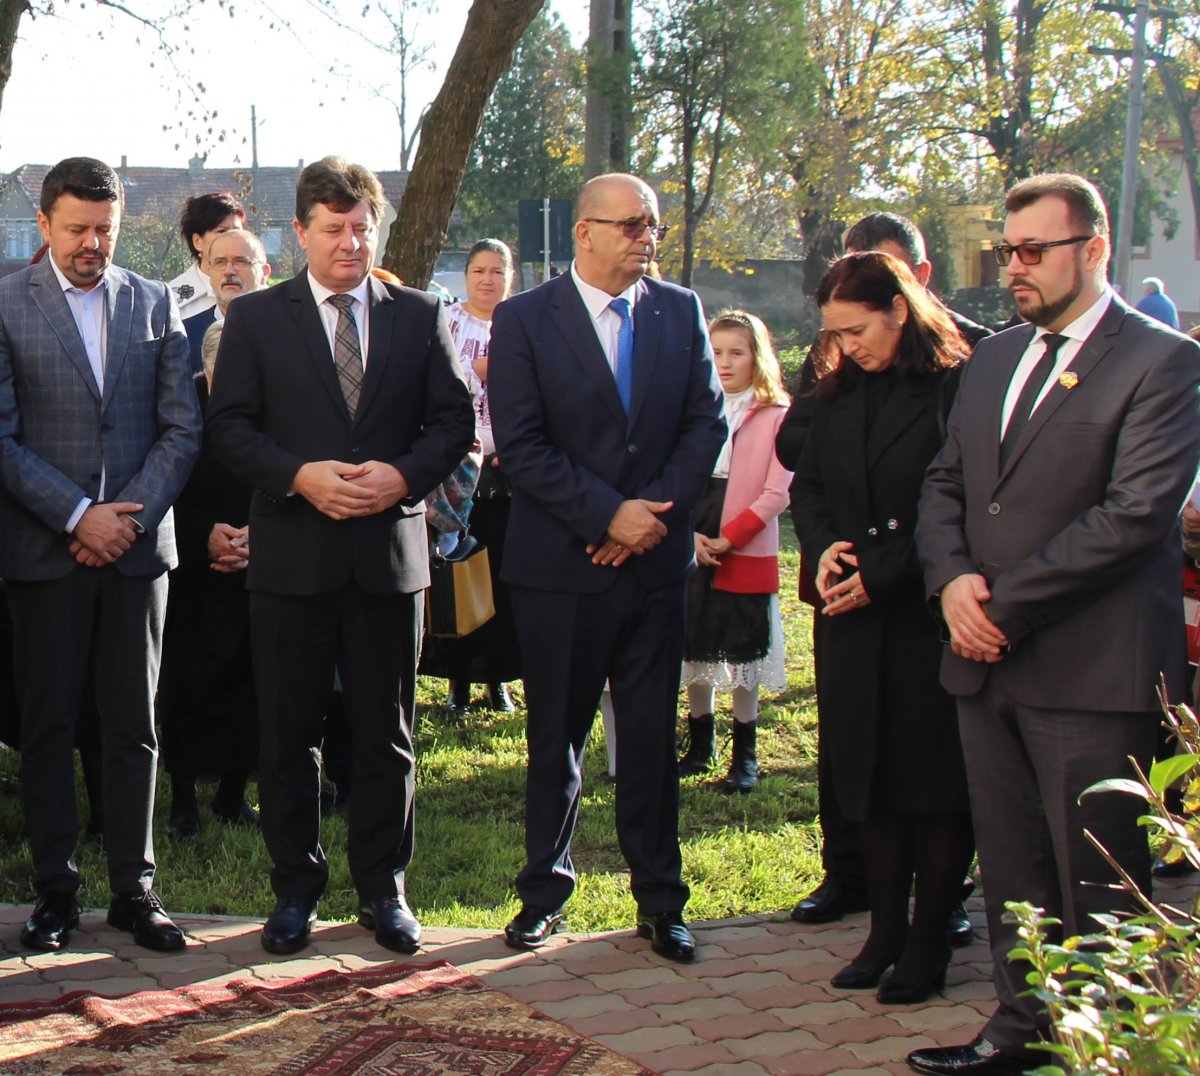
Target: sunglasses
1031,253
633,228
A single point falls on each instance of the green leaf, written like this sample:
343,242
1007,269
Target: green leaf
1166,772
1119,784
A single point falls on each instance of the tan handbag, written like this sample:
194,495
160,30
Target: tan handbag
459,598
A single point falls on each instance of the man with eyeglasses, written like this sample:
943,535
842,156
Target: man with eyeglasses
608,418
1048,530
241,266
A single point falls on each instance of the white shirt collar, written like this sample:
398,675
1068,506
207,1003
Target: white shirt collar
597,299
320,293
66,285
1083,326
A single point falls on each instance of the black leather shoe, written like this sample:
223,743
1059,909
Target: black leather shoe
829,902
499,699
395,926
49,927
854,977
668,935
532,926
460,696
286,929
183,827
143,914
895,992
241,814
978,1055
1180,868
959,931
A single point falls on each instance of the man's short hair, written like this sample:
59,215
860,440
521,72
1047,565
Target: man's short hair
256,244
340,185
1153,282
84,177
1085,205
876,228
204,212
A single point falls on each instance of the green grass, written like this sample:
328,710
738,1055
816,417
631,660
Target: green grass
742,854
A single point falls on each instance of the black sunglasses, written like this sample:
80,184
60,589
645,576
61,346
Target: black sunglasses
634,227
1031,253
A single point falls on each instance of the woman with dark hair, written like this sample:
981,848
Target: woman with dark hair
889,358
204,217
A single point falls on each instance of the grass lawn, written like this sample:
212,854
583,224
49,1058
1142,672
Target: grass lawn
741,854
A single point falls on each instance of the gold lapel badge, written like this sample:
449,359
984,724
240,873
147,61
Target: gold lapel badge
1068,379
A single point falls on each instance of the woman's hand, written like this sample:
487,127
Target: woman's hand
709,550
846,596
831,566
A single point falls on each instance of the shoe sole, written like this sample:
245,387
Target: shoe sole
521,943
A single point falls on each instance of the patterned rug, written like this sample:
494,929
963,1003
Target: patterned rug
401,1019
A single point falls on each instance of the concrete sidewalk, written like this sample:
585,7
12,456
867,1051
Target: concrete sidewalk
757,1000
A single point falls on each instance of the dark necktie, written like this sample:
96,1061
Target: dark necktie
1033,387
624,352
347,352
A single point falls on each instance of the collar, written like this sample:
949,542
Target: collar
1084,325
320,293
66,285
597,299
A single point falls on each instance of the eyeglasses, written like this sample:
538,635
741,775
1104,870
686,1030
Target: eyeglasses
1031,253
239,261
633,228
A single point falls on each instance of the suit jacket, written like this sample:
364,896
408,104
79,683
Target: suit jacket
570,451
276,404
57,431
195,327
1078,535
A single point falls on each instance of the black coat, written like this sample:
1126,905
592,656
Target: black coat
894,736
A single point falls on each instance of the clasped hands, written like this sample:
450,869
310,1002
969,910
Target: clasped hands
840,595
104,533
229,548
972,633
635,528
347,490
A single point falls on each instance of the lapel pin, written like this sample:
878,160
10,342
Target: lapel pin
1068,379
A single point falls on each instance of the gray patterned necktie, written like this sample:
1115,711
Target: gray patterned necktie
347,352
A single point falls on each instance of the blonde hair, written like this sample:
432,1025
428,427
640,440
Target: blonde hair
766,377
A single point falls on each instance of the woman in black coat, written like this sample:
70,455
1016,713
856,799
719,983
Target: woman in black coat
890,360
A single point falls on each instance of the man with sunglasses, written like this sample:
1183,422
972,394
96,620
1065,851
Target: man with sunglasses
1048,532
607,415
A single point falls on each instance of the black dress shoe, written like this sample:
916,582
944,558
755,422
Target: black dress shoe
143,914
959,931
239,814
460,696
829,902
895,992
855,977
499,699
395,926
1177,869
183,827
668,935
532,926
49,927
286,929
978,1055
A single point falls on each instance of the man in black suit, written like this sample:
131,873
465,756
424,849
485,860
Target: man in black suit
608,420
1048,530
338,399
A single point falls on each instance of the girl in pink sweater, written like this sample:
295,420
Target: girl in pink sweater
734,634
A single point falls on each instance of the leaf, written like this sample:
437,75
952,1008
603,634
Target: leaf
1119,784
1166,772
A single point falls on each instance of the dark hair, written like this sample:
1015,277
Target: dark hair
876,228
334,182
204,212
84,177
492,246
1085,206
929,340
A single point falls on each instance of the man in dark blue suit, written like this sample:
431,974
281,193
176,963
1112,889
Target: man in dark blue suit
608,420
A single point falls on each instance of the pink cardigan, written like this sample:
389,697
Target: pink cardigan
755,496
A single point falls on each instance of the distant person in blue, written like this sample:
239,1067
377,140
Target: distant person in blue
1156,303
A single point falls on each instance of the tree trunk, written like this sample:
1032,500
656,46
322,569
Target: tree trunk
484,53
10,20
1172,84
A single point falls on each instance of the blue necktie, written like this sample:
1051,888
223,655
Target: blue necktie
624,352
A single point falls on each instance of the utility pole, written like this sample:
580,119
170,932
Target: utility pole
253,138
1133,138
606,134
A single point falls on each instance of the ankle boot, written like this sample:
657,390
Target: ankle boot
743,770
701,750
460,696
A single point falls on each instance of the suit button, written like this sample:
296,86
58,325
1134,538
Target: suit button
873,532
994,508
631,449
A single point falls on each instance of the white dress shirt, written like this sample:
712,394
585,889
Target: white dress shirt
606,320
329,312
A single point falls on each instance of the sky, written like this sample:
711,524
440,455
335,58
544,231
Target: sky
83,84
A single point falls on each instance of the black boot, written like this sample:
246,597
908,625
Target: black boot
460,695
743,770
701,750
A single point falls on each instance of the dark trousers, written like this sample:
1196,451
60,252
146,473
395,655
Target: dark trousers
1027,768
571,643
115,622
373,640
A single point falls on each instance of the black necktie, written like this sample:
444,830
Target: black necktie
1033,387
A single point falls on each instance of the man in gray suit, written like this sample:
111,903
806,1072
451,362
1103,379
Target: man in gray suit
99,427
1048,530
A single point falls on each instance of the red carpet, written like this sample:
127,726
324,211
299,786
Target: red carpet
401,1019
